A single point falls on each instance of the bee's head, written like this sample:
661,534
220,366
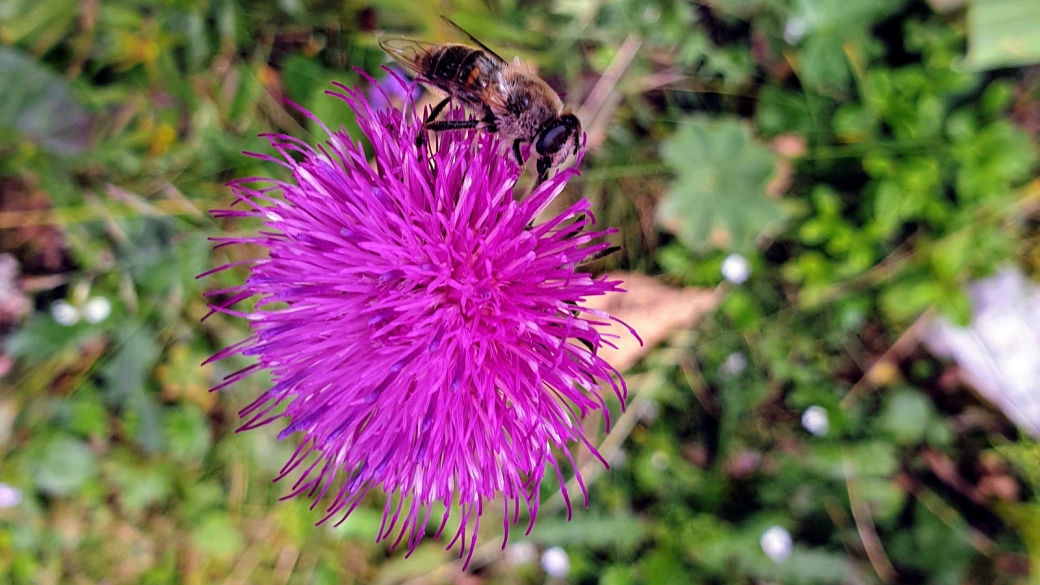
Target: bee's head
558,139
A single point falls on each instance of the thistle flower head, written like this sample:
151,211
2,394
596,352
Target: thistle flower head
424,330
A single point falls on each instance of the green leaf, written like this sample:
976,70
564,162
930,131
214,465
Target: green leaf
361,524
39,104
65,465
805,566
1003,33
997,97
940,546
620,531
125,374
43,23
217,536
1025,456
741,7
951,254
159,261
905,300
709,541
303,77
616,575
906,416
188,434
955,305
87,414
661,567
868,459
201,497
43,338
823,62
125,378
719,192
781,111
330,109
939,433
829,27
742,309
141,411
885,497
139,486
832,16
991,160
1025,517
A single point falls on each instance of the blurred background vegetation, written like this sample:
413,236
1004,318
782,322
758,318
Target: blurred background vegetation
867,160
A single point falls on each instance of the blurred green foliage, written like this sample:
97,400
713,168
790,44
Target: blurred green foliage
852,150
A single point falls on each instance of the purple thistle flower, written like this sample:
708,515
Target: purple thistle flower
423,333
388,90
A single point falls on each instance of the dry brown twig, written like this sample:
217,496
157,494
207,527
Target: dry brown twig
867,531
599,106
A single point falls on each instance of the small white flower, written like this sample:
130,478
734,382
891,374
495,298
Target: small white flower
521,553
776,543
736,268
9,496
734,365
64,313
814,419
795,29
96,309
556,562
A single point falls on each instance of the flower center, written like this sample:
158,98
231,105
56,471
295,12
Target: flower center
472,294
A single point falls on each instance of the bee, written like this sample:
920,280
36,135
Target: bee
509,99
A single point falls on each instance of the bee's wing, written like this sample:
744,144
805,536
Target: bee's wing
484,47
407,52
496,95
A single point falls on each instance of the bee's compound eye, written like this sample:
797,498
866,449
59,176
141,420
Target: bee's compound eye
553,138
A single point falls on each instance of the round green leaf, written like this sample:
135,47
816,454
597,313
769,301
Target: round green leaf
65,465
719,190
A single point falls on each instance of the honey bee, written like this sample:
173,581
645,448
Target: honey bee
510,100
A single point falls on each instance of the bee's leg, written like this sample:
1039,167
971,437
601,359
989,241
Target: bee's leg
516,152
443,125
543,168
598,256
436,111
576,313
489,121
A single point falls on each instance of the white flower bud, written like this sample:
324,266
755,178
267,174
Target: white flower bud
9,496
736,268
556,562
776,543
814,419
96,309
794,30
64,313
734,365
